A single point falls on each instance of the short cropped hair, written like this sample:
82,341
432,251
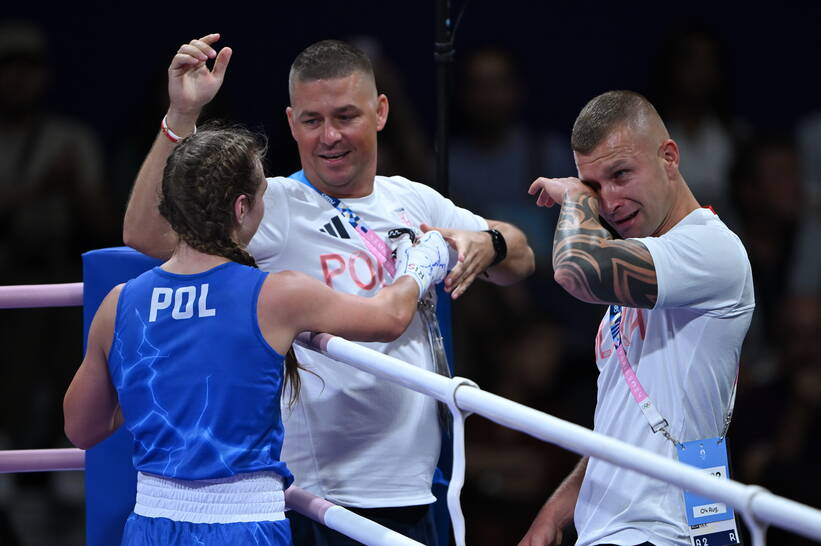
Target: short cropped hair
605,113
328,59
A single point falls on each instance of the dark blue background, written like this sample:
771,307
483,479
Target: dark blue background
105,57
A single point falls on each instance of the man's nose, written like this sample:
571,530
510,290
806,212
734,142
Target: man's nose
330,134
609,200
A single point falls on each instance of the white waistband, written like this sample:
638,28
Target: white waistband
254,496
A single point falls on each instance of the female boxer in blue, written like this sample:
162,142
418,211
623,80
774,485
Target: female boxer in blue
189,355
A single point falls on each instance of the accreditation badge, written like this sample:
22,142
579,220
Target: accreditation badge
711,523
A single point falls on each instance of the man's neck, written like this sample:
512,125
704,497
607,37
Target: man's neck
684,205
352,190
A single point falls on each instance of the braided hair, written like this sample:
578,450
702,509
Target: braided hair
202,179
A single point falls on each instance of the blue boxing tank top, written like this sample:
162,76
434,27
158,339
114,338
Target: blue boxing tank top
198,384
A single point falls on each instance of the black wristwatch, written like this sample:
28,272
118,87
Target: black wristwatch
499,245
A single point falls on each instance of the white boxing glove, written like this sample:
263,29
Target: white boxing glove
426,261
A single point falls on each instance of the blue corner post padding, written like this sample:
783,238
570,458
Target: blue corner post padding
110,479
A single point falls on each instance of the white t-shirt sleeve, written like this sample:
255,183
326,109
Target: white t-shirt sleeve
701,267
443,213
273,229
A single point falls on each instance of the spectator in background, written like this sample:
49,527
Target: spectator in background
691,84
52,208
809,146
509,471
495,155
775,432
51,169
403,146
767,189
806,270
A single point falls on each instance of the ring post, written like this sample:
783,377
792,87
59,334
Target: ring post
110,478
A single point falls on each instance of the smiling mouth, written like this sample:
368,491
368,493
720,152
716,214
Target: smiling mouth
333,157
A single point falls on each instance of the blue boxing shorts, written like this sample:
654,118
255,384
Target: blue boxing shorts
145,531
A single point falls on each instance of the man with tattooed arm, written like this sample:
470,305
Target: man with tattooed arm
680,292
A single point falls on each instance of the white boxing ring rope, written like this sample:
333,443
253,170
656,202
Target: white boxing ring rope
758,506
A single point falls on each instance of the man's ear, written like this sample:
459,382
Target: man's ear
289,113
382,108
670,155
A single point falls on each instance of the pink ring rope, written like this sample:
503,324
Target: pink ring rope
41,295
307,504
42,460
52,460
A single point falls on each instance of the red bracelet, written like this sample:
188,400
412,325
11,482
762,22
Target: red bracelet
166,130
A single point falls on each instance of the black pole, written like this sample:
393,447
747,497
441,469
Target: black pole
443,57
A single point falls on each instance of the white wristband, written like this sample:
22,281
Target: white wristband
172,136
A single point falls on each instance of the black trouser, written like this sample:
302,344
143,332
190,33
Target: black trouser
414,522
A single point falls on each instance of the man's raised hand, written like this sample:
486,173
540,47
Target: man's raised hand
191,84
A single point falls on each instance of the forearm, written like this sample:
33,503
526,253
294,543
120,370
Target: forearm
397,303
519,262
593,267
144,229
90,410
562,503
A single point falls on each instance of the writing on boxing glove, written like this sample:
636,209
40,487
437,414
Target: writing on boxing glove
426,261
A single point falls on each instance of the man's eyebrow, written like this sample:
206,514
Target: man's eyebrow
346,109
340,110
617,165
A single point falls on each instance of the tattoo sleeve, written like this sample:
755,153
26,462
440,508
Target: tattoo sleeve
594,267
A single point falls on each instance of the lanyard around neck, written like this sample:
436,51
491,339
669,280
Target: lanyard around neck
654,418
375,245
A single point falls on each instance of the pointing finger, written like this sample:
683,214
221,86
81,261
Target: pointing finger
210,38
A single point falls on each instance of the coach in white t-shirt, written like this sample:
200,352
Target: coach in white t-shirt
684,281
354,439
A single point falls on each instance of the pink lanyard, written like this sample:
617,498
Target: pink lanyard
654,418
384,255
375,245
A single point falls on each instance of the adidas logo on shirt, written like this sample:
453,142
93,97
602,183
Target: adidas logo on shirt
335,228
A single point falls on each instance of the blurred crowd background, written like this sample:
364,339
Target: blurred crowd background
82,92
